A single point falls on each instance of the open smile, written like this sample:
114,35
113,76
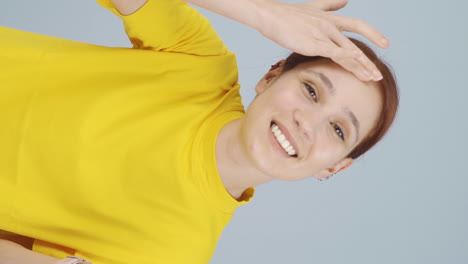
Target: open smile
282,141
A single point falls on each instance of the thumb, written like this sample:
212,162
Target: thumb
330,5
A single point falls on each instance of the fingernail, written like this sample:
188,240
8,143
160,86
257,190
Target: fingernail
384,42
377,75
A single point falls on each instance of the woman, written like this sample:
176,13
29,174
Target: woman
142,155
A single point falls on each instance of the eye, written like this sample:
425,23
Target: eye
338,130
311,91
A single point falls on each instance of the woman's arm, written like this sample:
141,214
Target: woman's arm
12,253
24,241
307,28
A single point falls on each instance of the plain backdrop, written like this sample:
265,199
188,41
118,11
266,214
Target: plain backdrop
406,201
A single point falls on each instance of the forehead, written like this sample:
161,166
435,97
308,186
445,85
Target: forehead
341,91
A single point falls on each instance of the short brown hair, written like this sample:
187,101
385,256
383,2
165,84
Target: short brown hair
388,91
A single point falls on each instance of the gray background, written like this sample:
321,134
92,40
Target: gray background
406,201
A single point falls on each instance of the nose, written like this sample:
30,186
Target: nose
304,123
311,124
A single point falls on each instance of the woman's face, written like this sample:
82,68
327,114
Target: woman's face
322,110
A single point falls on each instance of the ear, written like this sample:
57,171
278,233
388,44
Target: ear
273,73
339,166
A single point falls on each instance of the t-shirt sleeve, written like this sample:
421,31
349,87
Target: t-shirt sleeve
172,26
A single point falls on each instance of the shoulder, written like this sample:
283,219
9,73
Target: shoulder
126,8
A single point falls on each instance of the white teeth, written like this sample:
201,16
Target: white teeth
282,140
284,143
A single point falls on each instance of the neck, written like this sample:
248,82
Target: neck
236,170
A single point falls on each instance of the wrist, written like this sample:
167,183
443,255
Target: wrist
266,14
261,13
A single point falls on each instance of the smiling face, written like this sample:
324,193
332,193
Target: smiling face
321,110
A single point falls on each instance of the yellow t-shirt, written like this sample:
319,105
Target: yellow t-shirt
109,153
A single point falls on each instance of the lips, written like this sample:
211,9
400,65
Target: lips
288,136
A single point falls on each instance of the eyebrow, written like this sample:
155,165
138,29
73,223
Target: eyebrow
325,80
327,83
354,121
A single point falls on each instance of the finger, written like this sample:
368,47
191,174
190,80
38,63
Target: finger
330,5
344,42
355,67
328,49
361,27
370,67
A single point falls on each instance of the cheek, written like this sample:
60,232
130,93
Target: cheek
325,152
286,98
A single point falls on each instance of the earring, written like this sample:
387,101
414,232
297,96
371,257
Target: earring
275,65
326,178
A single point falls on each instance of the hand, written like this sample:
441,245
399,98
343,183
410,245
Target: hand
12,253
310,29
